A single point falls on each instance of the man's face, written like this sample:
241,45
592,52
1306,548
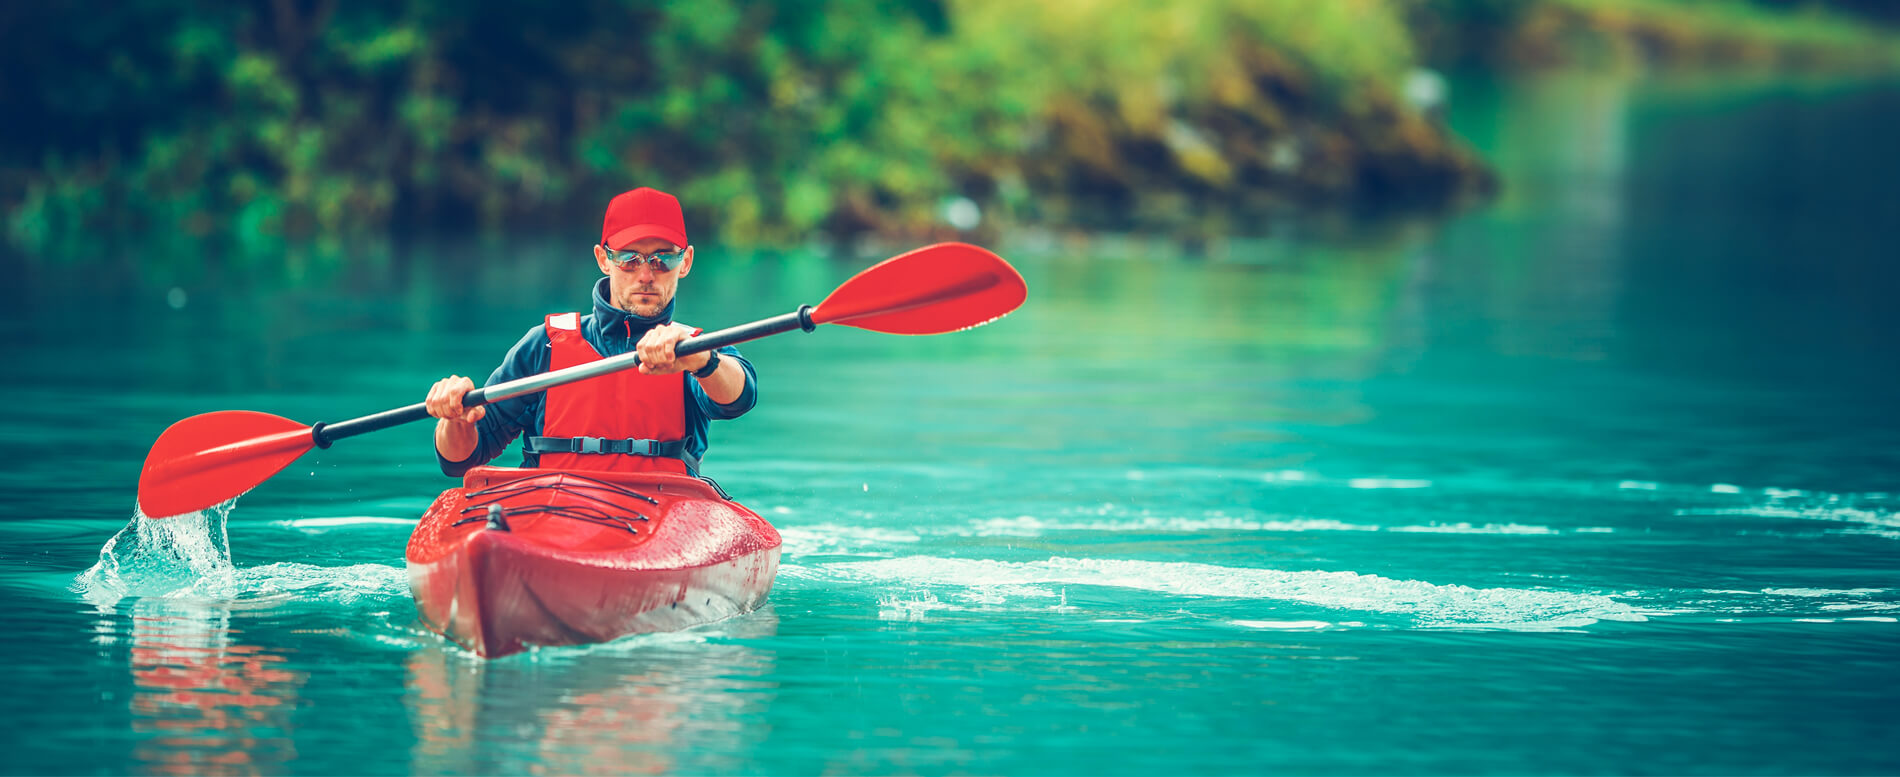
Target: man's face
640,288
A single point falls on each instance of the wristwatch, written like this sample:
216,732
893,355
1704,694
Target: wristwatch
712,365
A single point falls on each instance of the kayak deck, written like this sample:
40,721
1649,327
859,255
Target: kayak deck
523,557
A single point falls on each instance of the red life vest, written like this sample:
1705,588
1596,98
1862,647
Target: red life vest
618,406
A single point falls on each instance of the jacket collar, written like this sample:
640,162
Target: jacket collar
610,321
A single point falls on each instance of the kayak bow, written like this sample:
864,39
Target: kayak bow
524,557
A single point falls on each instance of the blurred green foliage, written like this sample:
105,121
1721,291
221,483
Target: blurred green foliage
272,121
291,118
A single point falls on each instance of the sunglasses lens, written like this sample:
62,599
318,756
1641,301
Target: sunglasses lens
660,261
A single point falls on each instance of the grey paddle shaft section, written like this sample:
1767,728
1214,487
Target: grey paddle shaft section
324,434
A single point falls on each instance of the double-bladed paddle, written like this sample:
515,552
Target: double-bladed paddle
211,458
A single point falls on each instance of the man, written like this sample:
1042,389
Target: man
628,421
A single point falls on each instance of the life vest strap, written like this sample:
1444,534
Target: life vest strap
670,449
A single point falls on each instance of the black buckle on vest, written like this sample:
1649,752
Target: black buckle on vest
599,445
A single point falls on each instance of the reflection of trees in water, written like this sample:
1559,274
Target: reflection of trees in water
633,707
203,702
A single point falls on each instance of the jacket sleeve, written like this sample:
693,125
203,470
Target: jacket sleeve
508,418
748,396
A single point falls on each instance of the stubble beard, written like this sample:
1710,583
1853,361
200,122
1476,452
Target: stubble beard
644,311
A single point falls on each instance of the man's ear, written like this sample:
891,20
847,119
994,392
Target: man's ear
687,265
600,259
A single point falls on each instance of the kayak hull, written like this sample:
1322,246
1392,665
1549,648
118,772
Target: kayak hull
583,557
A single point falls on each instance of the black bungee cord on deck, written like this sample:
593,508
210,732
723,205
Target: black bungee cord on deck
497,516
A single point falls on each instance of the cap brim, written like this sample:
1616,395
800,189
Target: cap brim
626,237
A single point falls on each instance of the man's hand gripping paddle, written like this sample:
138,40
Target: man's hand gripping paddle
208,459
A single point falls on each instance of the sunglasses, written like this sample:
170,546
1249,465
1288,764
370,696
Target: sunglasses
660,261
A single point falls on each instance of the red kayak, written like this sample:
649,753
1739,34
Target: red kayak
523,557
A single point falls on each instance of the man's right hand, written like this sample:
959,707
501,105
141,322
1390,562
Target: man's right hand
445,401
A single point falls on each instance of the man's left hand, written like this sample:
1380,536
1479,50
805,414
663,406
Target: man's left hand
656,351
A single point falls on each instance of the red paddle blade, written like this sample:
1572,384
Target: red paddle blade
935,289
210,458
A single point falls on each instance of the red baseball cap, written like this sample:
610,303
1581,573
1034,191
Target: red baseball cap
642,213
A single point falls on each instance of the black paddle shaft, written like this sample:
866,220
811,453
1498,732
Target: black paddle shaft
324,434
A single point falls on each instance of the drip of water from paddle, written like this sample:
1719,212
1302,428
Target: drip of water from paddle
153,557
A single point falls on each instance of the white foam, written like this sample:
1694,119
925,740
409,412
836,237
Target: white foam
1284,625
995,595
1874,619
1031,526
911,608
1819,592
561,655
345,520
1428,603
1637,485
1388,483
825,538
1875,522
1466,528
335,585
1862,606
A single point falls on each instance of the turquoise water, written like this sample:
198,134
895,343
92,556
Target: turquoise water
1600,478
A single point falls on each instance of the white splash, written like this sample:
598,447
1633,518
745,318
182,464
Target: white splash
188,558
154,556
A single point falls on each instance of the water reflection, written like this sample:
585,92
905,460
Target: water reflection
630,707
203,701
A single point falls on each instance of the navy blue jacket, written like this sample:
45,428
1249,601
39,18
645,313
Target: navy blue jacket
612,332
